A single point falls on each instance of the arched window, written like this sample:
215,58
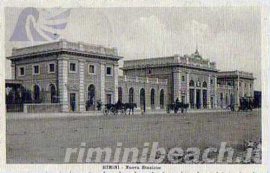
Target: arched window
152,98
36,93
91,95
204,84
131,95
120,94
53,94
191,83
161,99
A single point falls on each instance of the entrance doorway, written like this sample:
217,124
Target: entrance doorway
72,101
191,98
198,99
142,99
204,98
212,102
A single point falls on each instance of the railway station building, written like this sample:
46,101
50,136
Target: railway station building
65,76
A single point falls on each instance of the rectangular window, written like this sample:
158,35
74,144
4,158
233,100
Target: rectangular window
21,71
91,69
212,81
35,69
72,67
109,71
183,78
51,68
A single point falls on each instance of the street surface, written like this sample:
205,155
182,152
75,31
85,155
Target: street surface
44,140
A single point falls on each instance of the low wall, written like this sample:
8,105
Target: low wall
42,108
14,107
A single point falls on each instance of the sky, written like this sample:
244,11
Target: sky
230,36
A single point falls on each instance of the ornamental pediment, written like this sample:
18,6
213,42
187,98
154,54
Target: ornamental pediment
72,87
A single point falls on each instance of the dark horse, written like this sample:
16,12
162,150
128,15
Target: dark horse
175,106
245,104
130,106
114,108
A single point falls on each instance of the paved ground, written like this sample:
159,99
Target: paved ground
44,140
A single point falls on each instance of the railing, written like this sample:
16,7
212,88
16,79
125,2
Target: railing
142,80
225,86
236,73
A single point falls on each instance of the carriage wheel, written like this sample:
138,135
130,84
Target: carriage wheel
122,112
168,110
114,111
105,111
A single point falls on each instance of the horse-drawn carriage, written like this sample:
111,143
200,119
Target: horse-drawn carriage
246,103
119,107
175,106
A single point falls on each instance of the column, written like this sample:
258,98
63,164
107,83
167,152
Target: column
115,77
201,98
176,84
187,94
63,80
215,99
102,83
81,86
237,90
13,70
209,92
157,97
195,97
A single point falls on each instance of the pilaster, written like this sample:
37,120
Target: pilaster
115,77
176,84
102,83
63,80
187,94
215,86
81,86
209,92
13,71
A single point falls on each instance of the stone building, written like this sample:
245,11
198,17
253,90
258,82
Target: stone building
232,85
66,76
191,79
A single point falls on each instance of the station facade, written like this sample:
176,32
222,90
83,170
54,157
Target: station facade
65,76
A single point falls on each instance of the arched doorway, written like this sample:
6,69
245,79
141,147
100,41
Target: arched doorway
53,94
142,99
120,94
36,93
204,94
131,95
90,104
161,101
152,98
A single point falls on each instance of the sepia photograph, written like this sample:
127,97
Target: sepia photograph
140,86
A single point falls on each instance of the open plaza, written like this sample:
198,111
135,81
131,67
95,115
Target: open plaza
40,139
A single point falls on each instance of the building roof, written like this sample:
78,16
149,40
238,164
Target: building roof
194,60
63,45
234,74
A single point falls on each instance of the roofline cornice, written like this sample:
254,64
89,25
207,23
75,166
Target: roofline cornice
64,51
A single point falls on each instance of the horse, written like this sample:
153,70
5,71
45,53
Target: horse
175,106
130,106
